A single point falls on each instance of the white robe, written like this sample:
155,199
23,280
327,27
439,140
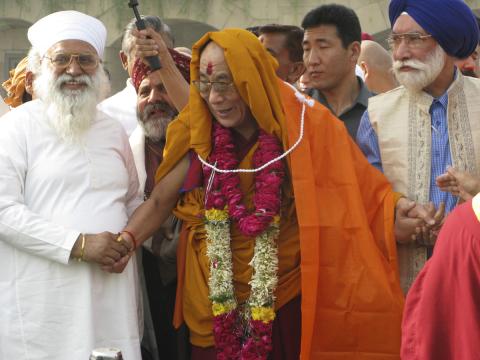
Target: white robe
137,144
52,307
122,107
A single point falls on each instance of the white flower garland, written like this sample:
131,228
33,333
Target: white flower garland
264,262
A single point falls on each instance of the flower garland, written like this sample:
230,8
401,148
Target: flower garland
223,204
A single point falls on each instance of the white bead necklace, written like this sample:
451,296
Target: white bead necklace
304,101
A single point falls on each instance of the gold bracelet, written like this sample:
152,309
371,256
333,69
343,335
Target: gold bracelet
82,249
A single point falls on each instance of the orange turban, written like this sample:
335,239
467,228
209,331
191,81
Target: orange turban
15,85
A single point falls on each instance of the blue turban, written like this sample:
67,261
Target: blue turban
450,22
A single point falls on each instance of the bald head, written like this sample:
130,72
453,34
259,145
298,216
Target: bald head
376,63
375,55
211,54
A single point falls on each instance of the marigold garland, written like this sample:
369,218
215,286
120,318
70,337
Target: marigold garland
223,204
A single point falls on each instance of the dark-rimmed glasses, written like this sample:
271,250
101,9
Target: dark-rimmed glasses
413,40
85,61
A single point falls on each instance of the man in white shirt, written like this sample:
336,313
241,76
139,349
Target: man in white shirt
123,105
66,174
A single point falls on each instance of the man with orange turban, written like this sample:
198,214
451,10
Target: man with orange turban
287,228
19,86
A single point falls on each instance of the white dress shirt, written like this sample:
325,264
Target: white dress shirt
122,107
53,307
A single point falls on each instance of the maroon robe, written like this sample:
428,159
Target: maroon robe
442,311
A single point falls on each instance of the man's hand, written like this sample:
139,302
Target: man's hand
120,265
147,43
103,248
418,223
427,234
405,226
459,183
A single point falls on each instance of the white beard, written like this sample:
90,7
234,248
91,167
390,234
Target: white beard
425,73
71,112
155,129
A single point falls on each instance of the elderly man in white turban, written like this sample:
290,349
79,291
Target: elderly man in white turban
66,174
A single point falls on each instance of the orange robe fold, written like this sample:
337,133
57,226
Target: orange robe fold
351,299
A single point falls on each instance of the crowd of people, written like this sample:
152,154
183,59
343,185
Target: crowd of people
277,192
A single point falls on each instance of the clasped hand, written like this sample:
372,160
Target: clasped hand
108,250
418,223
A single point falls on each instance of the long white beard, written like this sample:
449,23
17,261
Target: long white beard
426,72
71,112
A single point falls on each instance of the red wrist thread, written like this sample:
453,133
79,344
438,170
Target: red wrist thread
132,236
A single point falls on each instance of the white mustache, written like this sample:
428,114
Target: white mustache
80,79
414,64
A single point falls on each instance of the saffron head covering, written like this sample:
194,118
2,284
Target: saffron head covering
253,72
15,85
67,25
140,70
451,23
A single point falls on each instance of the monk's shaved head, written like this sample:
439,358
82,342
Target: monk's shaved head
376,63
212,57
375,55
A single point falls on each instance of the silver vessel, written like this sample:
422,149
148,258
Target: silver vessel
106,354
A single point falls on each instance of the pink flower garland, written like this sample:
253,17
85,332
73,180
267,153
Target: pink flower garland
225,191
259,343
226,186
227,334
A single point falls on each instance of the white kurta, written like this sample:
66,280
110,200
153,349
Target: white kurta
137,143
122,107
52,307
3,107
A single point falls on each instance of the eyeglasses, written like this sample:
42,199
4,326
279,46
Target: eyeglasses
86,61
204,87
412,40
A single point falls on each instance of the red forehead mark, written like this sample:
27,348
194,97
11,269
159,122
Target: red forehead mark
209,68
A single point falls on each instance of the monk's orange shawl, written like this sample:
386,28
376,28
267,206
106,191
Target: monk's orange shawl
351,298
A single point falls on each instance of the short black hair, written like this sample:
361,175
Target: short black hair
293,40
343,18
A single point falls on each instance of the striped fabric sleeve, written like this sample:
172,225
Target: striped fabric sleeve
368,142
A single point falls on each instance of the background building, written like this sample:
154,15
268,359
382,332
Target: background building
188,19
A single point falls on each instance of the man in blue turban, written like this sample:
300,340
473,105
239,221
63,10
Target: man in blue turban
450,22
415,131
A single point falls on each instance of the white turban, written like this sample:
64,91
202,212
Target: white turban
67,25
